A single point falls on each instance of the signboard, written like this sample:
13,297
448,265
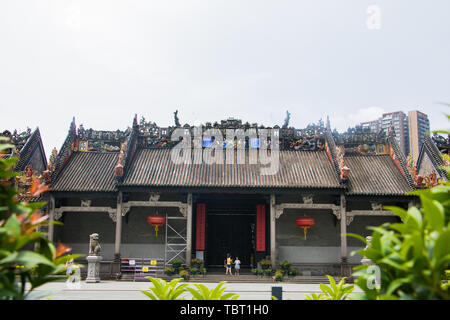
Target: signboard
132,262
260,227
200,235
153,262
144,269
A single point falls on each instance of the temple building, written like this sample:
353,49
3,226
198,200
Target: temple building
429,168
150,192
31,163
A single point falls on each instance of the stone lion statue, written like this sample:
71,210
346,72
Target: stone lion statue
94,246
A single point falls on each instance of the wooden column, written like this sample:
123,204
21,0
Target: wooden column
189,230
51,213
343,236
118,227
273,221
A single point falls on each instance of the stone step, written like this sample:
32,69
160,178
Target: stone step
215,278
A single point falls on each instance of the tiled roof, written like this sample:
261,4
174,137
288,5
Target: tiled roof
297,169
32,145
87,171
375,174
432,150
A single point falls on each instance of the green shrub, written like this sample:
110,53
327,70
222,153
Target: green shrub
333,291
265,263
411,255
176,263
292,272
194,271
268,272
279,275
169,271
184,274
197,263
162,290
285,265
203,293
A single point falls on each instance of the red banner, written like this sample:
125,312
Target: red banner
260,227
200,237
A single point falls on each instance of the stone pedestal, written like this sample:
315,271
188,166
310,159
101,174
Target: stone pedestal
93,273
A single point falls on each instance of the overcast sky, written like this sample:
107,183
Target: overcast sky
104,61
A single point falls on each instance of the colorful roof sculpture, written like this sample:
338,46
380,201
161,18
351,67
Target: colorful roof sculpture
359,162
31,163
428,171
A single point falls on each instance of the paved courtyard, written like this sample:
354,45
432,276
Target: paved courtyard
119,290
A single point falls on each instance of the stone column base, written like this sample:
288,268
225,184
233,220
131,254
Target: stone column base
93,273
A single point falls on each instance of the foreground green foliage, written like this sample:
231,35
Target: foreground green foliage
162,290
203,293
410,257
20,265
334,291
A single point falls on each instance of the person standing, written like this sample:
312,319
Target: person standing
237,266
69,267
228,263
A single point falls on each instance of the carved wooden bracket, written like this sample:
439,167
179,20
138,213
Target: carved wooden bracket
308,199
278,212
376,206
337,212
86,203
348,217
154,197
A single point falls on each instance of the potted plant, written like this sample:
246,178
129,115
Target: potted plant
203,271
285,265
259,272
194,271
268,272
184,274
292,272
169,271
197,263
265,263
279,275
176,264
255,271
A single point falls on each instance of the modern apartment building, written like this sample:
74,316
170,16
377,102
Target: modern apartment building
419,125
399,121
373,126
409,129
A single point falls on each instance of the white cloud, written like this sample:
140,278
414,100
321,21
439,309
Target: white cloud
342,122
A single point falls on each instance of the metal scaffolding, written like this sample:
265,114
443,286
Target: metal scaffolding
176,242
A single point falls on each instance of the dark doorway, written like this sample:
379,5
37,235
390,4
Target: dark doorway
229,233
230,227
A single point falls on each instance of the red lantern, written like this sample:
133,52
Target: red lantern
156,221
305,223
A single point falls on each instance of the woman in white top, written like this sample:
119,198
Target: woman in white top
237,266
